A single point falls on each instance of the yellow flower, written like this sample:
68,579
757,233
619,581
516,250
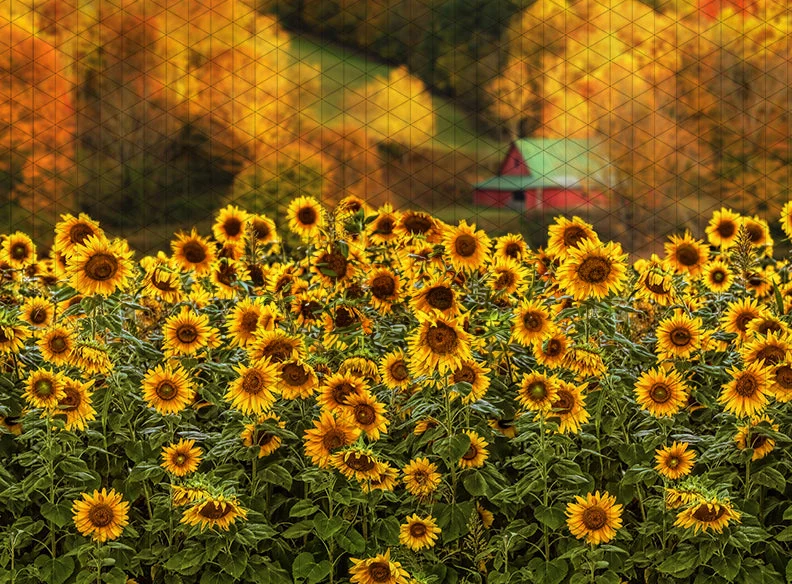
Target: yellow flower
102,516
306,217
537,391
760,444
377,570
569,408
421,478
76,403
214,512
297,380
72,231
679,336
394,370
674,461
532,323
722,228
56,344
717,276
476,454
707,514
181,458
564,235
594,517
251,391
662,393
193,252
467,248
44,389
168,389
419,532
266,441
98,266
746,394
686,254
328,435
475,374
357,463
37,311
229,226
186,333
19,250
366,413
593,270
438,345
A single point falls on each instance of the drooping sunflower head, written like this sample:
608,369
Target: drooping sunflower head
362,367
419,532
674,461
414,224
297,379
181,458
722,228
102,515
261,437
214,512
711,513
593,269
472,372
193,252
569,408
565,234
306,217
467,249
262,229
394,370
595,517
357,463
679,496
661,392
18,250
338,388
383,229
753,435
746,394
72,231
686,254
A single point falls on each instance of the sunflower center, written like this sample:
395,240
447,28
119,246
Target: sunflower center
365,414
656,288
380,572
758,441
420,477
194,252
768,326
755,232
399,371
57,345
79,233
38,315
278,351
707,515
512,250
264,438
341,391
307,216
417,223
755,280
573,235
564,403
594,270
226,274
163,284
440,297
307,309
212,510
595,518
19,251
249,322
294,374
332,440
466,245
418,530
746,386
260,229
726,229
180,459
71,401
166,390
742,320
537,390
383,286
783,376
232,226
771,355
442,339
673,462
680,337
554,348
660,393
101,267
101,515
385,226
336,263
687,255
43,387
505,280
360,462
253,382
256,274
533,321
187,334
471,453
718,276
466,373
344,317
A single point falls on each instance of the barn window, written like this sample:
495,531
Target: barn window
518,196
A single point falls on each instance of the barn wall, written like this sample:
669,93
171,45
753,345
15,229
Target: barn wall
562,198
513,164
491,198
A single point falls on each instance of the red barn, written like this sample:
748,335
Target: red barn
546,173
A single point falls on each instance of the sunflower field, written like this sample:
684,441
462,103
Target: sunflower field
395,400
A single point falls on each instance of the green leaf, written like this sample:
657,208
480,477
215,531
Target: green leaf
727,566
785,535
453,447
302,565
234,564
184,559
387,530
60,514
298,529
326,528
551,516
789,571
453,519
679,562
475,484
55,570
770,477
351,541
303,508
115,576
277,475
552,572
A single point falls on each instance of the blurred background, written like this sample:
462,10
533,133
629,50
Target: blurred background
642,117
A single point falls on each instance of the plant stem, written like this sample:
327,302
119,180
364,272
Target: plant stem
545,500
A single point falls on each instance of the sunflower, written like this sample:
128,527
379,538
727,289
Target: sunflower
162,281
297,380
251,391
19,250
394,370
262,229
781,381
91,357
76,404
717,276
102,516
586,361
553,350
761,444
181,458
421,478
504,426
424,425
243,321
507,276
266,441
766,323
342,322
186,333
593,270
758,230
564,235
476,454
338,388
193,252
436,296
99,266
439,344
474,373
44,389
230,224
661,392
746,394
569,408
674,461
486,516
511,246
738,314
417,223
537,392
377,570
418,532
168,389
214,512
386,481
768,350
466,248
12,338
333,266
366,413
594,517
676,497
707,514
308,307
786,219
327,435
37,311
306,217
72,231
382,229
182,495
357,463
722,228
386,289
226,275
679,336
686,254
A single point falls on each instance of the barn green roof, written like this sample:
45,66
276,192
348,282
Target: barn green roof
553,162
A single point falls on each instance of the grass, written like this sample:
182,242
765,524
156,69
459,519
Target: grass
344,69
